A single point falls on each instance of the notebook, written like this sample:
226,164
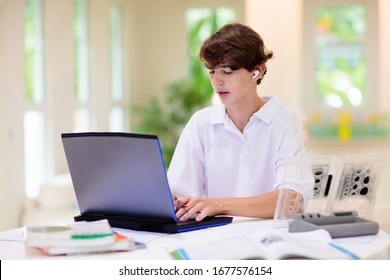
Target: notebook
121,177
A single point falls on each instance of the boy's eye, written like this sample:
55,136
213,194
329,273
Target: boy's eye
227,70
224,71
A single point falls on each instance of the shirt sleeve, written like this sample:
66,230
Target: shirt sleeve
292,166
186,173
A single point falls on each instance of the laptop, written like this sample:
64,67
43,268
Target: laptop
121,177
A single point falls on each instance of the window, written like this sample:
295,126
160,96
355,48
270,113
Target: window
34,116
340,69
41,122
117,113
81,65
341,65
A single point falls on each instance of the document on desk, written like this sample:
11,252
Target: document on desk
12,235
271,245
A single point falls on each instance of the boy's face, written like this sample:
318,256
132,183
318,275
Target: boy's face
232,86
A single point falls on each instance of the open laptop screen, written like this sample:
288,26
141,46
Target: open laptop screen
119,174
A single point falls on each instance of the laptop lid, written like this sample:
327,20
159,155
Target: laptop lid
119,174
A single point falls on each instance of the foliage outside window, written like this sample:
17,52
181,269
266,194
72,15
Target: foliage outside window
81,64
34,118
33,51
341,75
117,77
341,62
187,96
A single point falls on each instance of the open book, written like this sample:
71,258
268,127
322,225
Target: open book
77,238
272,245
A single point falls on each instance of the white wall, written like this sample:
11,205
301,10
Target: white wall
279,22
11,105
384,54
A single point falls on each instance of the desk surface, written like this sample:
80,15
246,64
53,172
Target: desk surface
157,244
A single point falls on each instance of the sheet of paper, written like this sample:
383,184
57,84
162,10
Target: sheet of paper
12,235
365,239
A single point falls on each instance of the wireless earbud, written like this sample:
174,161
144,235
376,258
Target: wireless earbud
255,74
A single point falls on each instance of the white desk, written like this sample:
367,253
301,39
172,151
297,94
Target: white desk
377,247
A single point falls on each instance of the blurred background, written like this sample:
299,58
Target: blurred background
132,66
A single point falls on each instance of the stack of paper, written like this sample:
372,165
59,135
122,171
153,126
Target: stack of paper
77,238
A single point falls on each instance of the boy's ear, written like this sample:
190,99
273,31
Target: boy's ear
262,68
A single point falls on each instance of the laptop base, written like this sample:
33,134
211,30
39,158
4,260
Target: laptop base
156,225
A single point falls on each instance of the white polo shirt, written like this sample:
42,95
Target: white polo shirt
214,159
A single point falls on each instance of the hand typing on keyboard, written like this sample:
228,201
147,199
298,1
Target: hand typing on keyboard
188,207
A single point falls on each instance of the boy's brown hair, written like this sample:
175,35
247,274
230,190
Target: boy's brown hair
236,46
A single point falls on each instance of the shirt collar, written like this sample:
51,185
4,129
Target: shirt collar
219,114
269,109
266,113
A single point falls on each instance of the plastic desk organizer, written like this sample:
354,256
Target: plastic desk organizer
338,224
341,184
